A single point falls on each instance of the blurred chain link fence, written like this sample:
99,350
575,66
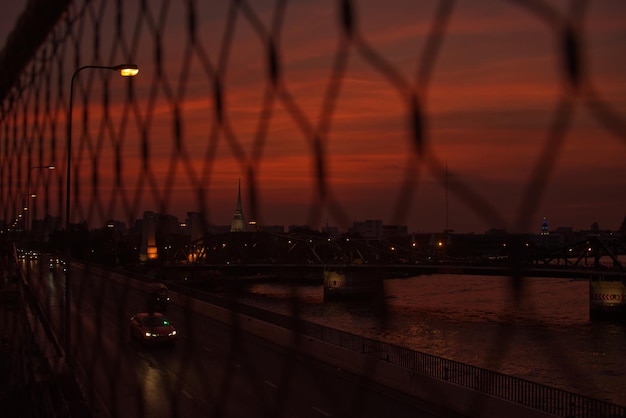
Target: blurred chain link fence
147,144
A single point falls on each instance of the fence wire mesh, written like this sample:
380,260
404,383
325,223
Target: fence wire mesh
213,94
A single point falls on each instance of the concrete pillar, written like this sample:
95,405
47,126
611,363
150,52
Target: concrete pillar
607,299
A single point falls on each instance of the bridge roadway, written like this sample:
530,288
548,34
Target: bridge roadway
212,371
252,367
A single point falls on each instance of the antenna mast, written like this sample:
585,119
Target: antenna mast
447,213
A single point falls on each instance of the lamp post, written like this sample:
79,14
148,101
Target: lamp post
24,210
125,70
29,195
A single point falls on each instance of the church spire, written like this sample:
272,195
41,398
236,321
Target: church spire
238,224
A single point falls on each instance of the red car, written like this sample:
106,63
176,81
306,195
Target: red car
152,327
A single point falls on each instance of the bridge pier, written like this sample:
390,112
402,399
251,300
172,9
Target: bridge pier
349,283
607,299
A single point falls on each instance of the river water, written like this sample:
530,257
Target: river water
541,333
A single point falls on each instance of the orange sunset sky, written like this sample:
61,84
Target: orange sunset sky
489,102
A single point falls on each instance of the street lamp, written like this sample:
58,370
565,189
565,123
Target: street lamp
125,70
29,195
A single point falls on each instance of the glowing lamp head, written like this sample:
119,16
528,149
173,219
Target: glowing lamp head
127,70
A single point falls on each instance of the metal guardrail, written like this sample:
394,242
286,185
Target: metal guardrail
535,395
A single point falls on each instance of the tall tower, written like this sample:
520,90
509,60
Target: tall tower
544,227
238,224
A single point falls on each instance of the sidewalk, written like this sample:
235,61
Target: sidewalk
11,344
28,386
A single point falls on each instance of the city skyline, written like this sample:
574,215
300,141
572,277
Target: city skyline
543,226
238,201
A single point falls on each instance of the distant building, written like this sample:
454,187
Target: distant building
395,230
253,226
167,225
298,228
274,229
218,229
148,249
119,226
370,228
374,228
544,227
331,231
195,225
566,233
42,228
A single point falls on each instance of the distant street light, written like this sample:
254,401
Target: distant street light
125,70
29,195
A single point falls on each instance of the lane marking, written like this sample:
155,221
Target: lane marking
187,394
321,411
207,348
271,384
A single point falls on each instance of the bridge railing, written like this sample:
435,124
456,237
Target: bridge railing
542,397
